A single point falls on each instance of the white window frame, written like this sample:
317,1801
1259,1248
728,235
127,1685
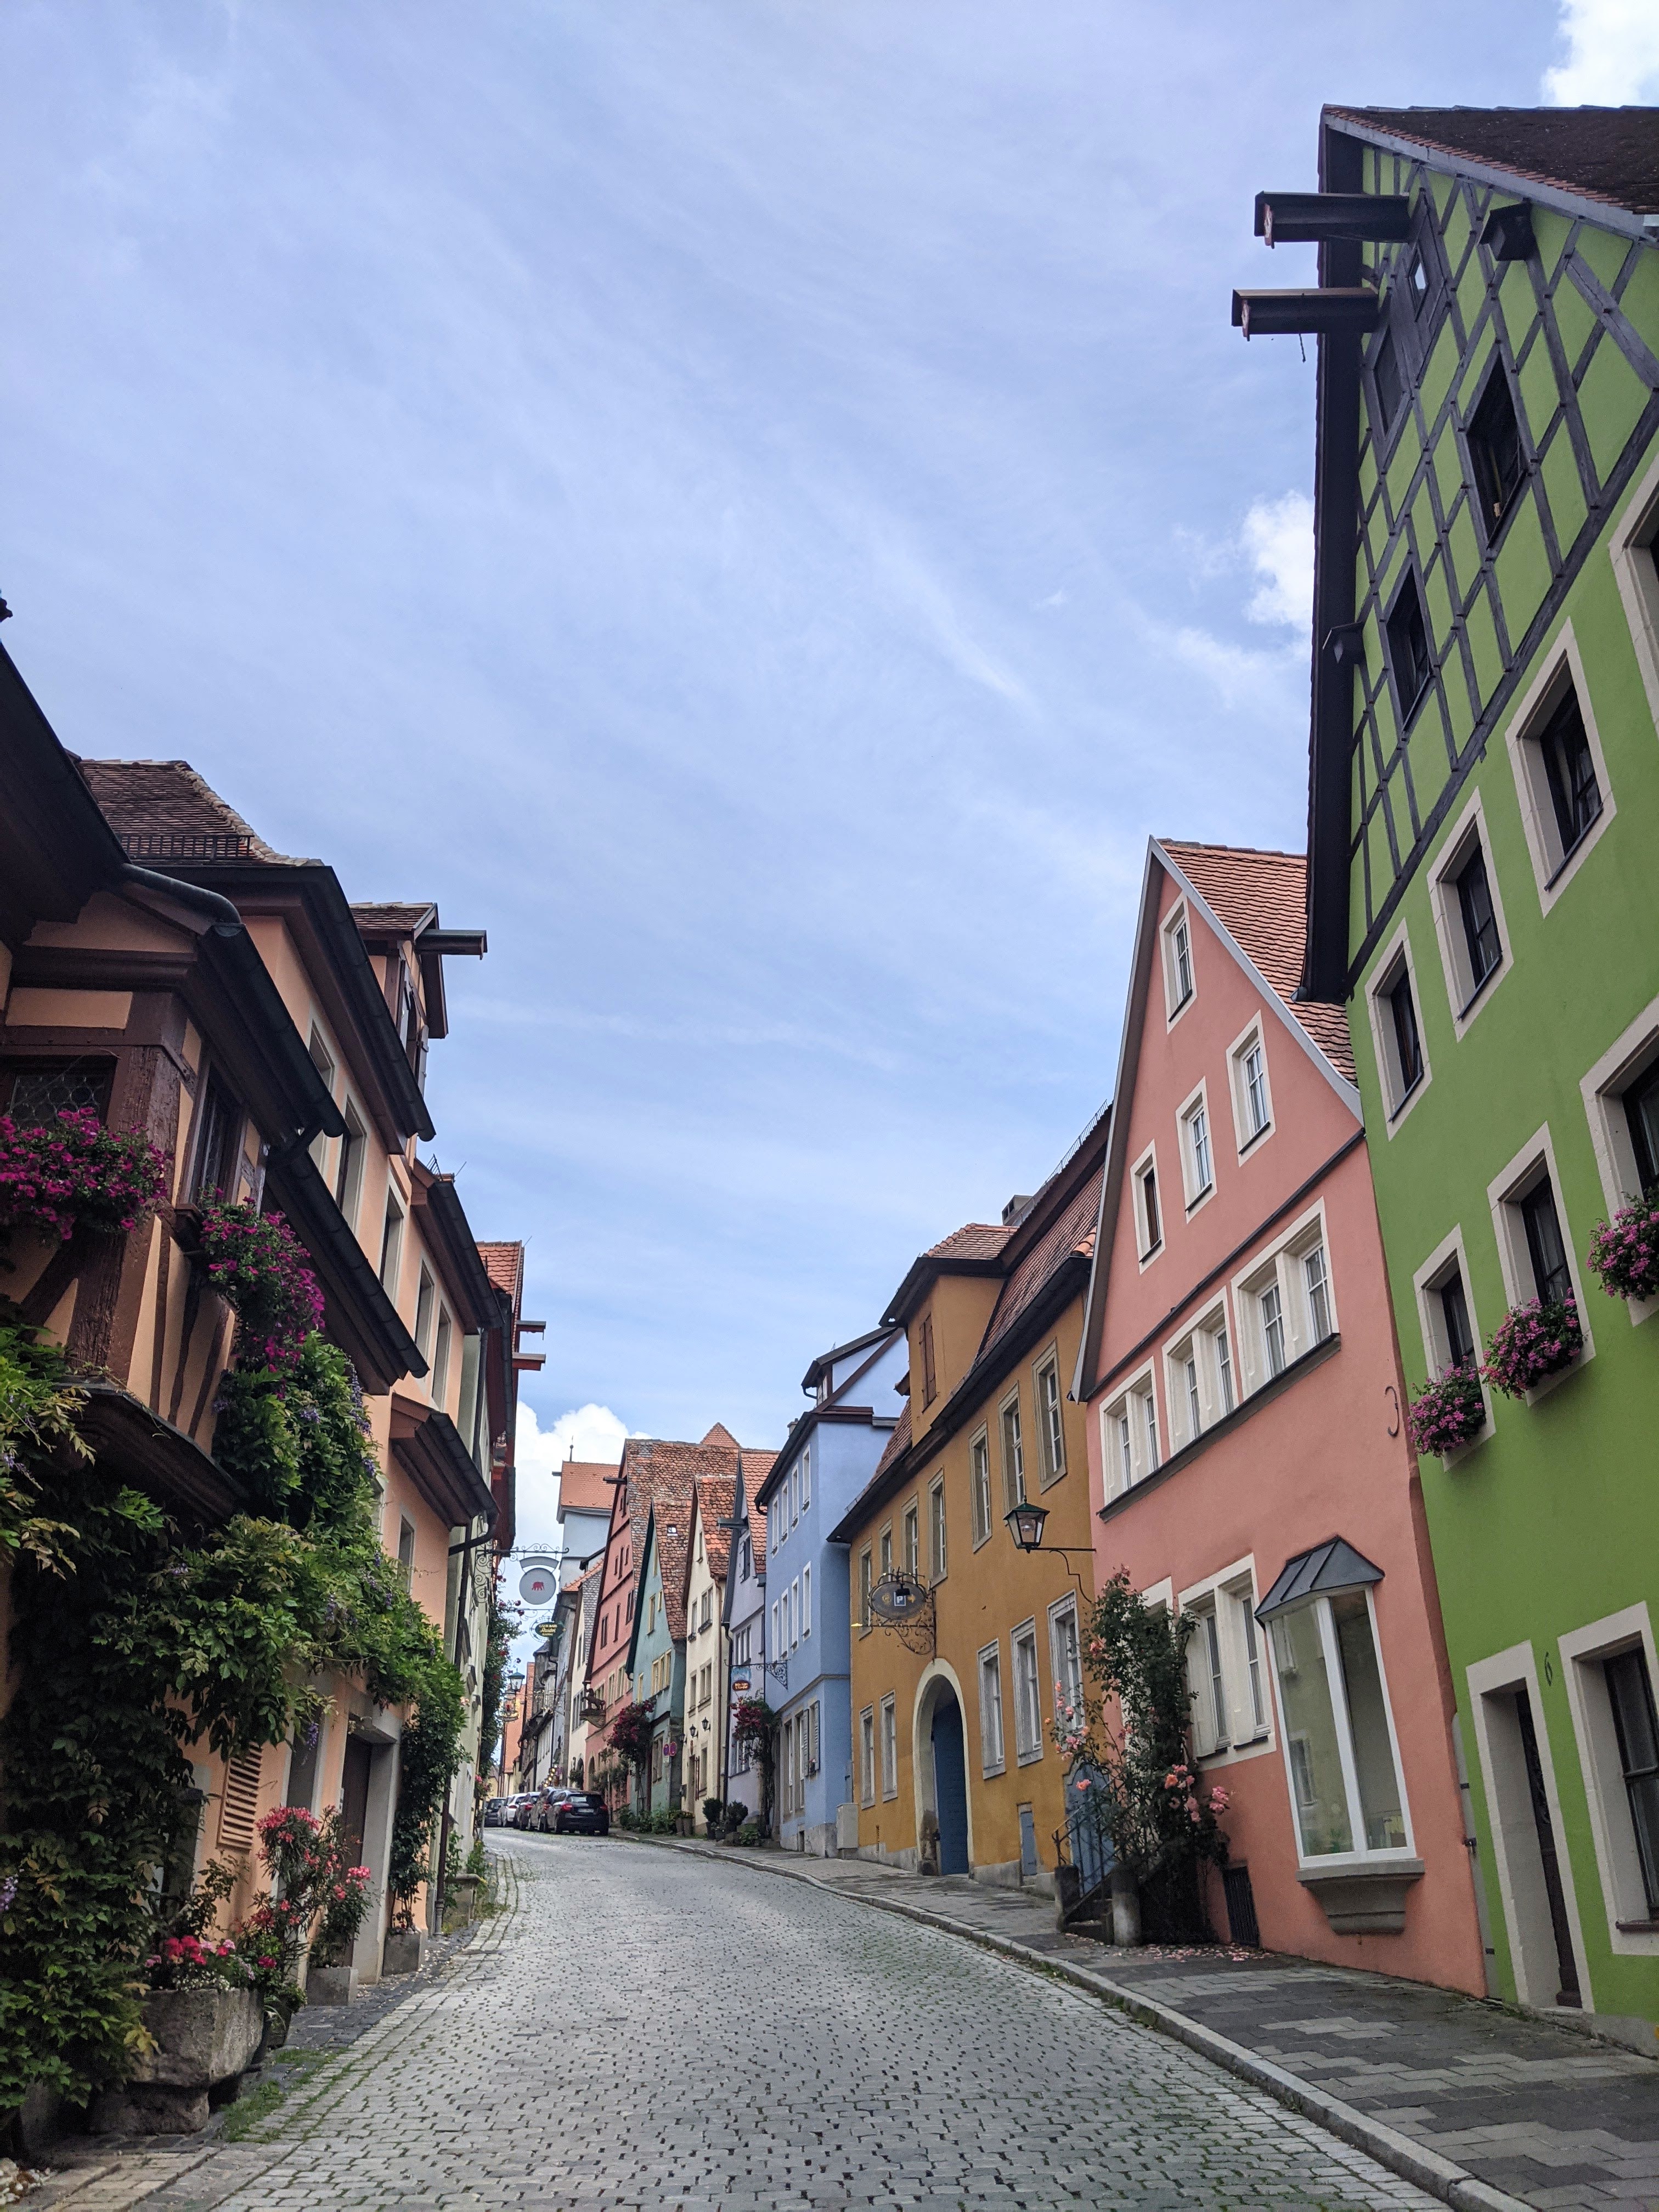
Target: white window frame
1228,1594
1196,1104
889,1745
795,1613
1396,958
1248,1139
348,1178
939,1555
1051,1433
992,1732
1147,1252
806,1477
1130,1403
867,1756
1175,1004
1427,1284
1455,848
1503,1195
1633,564
1562,666
1186,1424
805,1604
979,1483
1014,1491
1582,1650
1066,1661
1326,1862
1027,1753
1632,1055
1211,1325
1280,1263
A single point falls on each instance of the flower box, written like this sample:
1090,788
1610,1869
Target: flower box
1448,1412
204,2037
328,1985
1624,1253
1531,1343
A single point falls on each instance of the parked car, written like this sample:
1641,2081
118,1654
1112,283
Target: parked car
581,1814
523,1807
495,1809
546,1803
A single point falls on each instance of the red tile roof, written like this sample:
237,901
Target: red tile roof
585,1485
1608,154
756,1466
1071,1234
1261,899
504,1265
897,1444
714,1495
162,809
975,1240
719,1434
660,1471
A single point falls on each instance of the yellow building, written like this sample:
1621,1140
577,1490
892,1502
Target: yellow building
961,1640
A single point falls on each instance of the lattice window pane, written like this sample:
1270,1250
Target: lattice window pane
38,1091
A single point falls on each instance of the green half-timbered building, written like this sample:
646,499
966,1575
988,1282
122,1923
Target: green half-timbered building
1484,845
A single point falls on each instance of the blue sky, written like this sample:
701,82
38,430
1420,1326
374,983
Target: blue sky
756,505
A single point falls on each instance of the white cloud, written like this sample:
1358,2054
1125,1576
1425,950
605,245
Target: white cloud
1613,54
1278,539
1242,676
585,1432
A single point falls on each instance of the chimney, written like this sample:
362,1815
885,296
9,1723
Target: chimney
1016,1210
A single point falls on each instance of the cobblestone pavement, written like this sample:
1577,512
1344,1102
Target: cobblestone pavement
1553,2117
645,2028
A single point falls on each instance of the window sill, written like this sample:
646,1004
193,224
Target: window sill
1637,1927
1467,1009
1562,867
1254,1139
1364,1897
1241,1413
1029,1758
1152,1252
1195,1202
1406,1097
990,1773
1180,1008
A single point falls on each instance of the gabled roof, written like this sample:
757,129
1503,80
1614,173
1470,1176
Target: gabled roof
163,809
585,1485
1609,154
837,1353
1260,899
504,1265
973,1249
715,1493
1260,892
719,1434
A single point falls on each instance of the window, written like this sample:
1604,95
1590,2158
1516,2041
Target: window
1201,1173
1208,1681
936,1552
1177,962
1479,922
1028,1695
746,1564
1386,380
392,1244
805,1477
1065,1653
889,1748
1244,1600
406,1552
990,1710
1013,1456
1317,1285
864,1593
1253,1069
1629,1693
912,1541
794,1602
794,1496
1468,914
1345,1785
929,1373
1147,1218
1129,1437
1570,772
1189,1378
1271,1305
440,1357
218,1144
1495,451
1545,1250
886,1554
1052,1421
1641,1104
806,1602
424,1297
1417,282
979,1477
777,1617
1223,1363
1455,1320
1408,650
36,1091
323,1060
867,1756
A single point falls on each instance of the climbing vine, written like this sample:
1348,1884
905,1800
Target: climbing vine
134,1646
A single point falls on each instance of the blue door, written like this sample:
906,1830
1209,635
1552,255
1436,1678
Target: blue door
950,1785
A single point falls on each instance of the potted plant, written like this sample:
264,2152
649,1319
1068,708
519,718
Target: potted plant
1533,1341
259,1267
202,2014
1447,1414
73,1173
1624,1253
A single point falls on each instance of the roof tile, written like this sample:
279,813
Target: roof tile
1608,154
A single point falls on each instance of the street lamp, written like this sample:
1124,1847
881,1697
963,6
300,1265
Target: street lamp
1025,1525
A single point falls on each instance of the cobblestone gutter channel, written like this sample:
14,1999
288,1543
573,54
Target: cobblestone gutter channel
1471,2078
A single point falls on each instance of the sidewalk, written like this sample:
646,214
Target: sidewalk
1481,2105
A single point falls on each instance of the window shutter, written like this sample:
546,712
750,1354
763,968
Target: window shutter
239,1804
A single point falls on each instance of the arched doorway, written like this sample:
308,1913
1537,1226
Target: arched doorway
950,1782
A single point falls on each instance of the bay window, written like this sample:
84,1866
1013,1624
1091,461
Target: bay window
1339,1748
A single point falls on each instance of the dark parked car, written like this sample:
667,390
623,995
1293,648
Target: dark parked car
494,1808
524,1808
581,1814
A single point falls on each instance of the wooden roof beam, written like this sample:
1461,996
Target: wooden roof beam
1326,307
1293,218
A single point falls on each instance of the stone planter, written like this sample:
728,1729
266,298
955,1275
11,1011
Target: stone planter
328,1985
203,2038
461,1895
404,1949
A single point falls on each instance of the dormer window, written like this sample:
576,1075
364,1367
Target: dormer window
1178,982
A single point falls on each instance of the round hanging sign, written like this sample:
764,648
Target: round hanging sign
537,1584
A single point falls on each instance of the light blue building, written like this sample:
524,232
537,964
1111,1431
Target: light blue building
804,1612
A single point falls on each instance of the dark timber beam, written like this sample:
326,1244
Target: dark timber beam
1290,218
1348,307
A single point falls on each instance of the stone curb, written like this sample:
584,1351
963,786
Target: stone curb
1452,2184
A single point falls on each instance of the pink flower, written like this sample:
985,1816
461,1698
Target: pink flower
1083,1783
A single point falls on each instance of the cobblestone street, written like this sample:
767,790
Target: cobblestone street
644,2028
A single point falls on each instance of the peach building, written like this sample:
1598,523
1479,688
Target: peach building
168,968
1247,1458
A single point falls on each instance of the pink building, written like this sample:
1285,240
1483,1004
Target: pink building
1246,1446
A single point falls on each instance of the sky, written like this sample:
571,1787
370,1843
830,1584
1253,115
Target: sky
759,506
